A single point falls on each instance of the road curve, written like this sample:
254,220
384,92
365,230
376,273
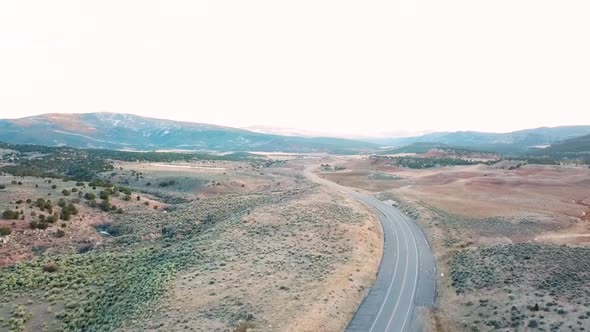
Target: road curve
406,277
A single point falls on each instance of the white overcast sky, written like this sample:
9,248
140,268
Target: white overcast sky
345,67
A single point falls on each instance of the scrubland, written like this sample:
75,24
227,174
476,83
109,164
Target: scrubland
198,246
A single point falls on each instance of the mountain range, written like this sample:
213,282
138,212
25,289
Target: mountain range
517,141
132,132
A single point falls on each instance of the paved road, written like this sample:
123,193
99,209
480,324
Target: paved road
406,278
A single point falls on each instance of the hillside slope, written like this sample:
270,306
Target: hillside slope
572,145
497,142
125,131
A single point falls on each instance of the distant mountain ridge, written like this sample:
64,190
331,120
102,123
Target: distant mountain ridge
132,132
498,142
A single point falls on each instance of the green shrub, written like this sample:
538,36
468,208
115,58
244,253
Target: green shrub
167,183
65,192
126,191
40,203
5,231
89,196
104,194
105,205
9,214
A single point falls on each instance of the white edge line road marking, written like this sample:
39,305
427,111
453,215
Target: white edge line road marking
403,286
416,280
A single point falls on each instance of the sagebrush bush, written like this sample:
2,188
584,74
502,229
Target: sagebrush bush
4,231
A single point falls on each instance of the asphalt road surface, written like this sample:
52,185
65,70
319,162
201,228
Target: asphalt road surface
406,277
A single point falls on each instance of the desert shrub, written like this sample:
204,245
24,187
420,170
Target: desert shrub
65,192
100,183
33,224
126,191
127,198
53,187
120,211
9,214
89,196
74,190
146,203
105,205
40,203
167,183
48,206
51,219
138,197
50,267
2,186
67,211
42,225
60,233
104,194
80,184
13,182
5,231
61,203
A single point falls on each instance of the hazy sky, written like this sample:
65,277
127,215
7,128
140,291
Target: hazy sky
347,67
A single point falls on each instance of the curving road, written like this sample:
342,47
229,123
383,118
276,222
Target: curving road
406,279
